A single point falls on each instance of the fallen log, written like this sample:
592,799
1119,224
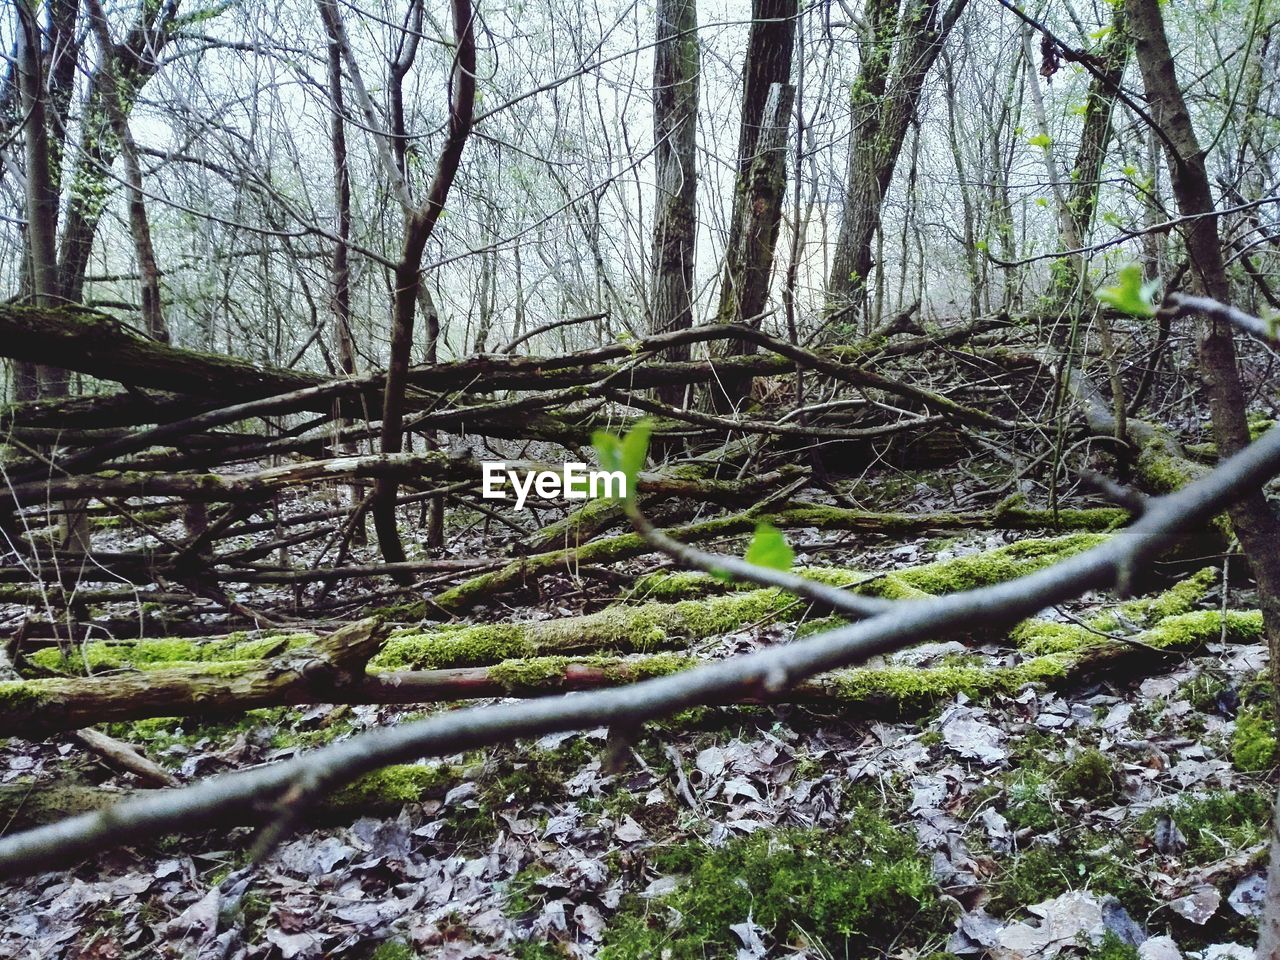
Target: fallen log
321,672
1054,655
522,572
98,345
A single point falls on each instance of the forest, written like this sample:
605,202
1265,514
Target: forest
666,479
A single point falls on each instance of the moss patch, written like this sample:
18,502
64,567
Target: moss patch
647,626
398,784
849,893
1253,744
1090,775
168,652
1216,824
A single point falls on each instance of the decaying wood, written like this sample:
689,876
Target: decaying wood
320,673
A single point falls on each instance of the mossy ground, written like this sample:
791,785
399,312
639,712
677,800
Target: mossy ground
854,891
860,885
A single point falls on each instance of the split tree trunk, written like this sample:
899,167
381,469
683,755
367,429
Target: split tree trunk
675,132
897,56
1251,517
750,266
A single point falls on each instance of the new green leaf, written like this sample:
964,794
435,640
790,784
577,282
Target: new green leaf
626,455
1130,295
769,548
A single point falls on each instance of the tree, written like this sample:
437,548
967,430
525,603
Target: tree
767,97
1251,517
675,133
419,222
898,51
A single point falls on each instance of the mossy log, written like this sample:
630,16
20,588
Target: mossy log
522,572
1049,654
676,609
319,672
1162,465
450,663
1076,657
98,345
32,804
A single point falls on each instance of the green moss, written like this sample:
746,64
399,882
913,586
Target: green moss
658,665
401,612
1253,744
1191,629
852,892
522,895
999,565
1216,824
1161,470
1013,512
541,673
1202,692
1181,598
533,673
1085,860
647,626
18,697
535,950
393,950
1092,776
1046,636
1027,803
455,647
1111,947
1258,425
675,584
913,690
168,652
398,784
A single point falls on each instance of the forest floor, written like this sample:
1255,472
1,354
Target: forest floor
1123,817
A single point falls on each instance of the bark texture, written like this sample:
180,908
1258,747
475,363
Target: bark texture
675,136
898,52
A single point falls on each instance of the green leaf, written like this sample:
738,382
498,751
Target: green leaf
635,448
608,449
1042,140
626,455
769,548
1130,295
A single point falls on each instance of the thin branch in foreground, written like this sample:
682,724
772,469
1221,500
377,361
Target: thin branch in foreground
1178,304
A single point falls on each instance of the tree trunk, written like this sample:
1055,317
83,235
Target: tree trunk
1254,523
750,266
675,123
42,226
131,63
340,270
896,59
139,226
768,62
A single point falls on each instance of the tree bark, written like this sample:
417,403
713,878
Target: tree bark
139,226
749,271
896,59
131,63
675,131
768,61
1251,517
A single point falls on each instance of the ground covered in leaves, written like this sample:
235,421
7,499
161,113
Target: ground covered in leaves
1122,819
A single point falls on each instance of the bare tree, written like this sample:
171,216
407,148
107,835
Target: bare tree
899,49
675,130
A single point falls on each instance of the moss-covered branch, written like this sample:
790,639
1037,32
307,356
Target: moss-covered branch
521,572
